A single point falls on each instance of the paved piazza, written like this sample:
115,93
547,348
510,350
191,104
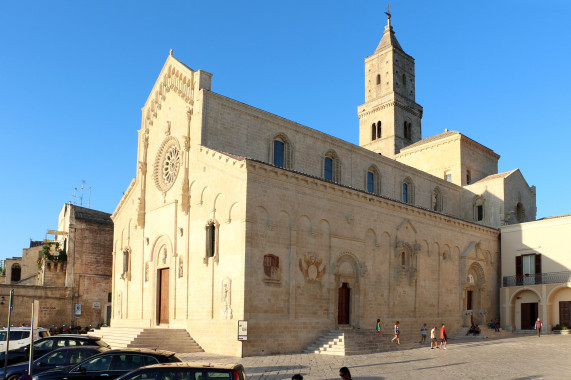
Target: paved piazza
518,357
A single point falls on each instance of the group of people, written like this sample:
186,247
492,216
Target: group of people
344,373
423,333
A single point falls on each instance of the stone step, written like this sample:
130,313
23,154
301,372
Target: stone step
176,340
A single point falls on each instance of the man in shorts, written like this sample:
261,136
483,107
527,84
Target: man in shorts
433,340
443,336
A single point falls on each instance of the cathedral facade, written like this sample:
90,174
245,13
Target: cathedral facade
239,214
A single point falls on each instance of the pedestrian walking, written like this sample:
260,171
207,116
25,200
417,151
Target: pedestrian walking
378,327
397,333
423,334
345,373
443,336
538,326
433,340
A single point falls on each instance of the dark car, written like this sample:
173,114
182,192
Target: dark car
62,357
188,371
110,364
50,343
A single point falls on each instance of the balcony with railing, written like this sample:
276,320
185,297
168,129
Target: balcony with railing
540,278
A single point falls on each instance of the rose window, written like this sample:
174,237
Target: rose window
167,164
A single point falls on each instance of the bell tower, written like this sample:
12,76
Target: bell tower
389,120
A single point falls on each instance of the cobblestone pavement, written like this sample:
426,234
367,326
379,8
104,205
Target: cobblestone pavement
517,357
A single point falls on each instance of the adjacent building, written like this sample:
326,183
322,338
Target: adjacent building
536,272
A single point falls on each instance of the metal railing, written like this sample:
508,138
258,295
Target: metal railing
534,279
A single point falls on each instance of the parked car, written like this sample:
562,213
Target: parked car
110,364
20,337
188,371
62,357
50,343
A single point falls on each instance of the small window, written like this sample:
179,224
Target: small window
407,130
448,176
279,153
436,200
407,191
479,212
402,259
378,79
211,239
468,177
370,182
331,167
373,132
379,129
404,80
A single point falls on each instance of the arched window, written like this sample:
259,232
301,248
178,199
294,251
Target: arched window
379,129
436,200
378,79
478,208
281,152
407,130
407,191
374,131
331,167
403,259
373,180
212,238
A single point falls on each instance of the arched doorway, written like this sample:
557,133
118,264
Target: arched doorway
473,295
15,273
161,259
347,285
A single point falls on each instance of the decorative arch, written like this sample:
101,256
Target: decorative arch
348,272
478,203
524,289
478,272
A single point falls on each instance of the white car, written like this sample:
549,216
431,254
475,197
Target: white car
20,337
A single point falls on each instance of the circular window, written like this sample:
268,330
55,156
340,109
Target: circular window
167,164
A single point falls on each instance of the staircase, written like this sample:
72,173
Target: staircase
354,342
175,340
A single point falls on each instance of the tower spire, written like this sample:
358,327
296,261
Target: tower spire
389,38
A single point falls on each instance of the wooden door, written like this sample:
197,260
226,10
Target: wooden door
344,304
164,296
564,313
528,315
469,300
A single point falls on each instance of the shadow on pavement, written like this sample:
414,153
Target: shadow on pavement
440,366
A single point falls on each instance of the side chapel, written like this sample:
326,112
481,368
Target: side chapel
299,232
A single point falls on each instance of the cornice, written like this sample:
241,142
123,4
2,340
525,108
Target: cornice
415,111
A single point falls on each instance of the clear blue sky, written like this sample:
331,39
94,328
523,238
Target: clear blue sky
74,76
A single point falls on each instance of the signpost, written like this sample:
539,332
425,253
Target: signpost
33,332
242,333
8,333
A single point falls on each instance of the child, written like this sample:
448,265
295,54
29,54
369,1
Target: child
378,328
433,340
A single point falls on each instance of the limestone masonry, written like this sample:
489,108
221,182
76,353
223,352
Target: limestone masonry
239,214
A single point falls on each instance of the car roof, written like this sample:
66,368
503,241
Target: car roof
142,351
197,365
22,329
87,337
